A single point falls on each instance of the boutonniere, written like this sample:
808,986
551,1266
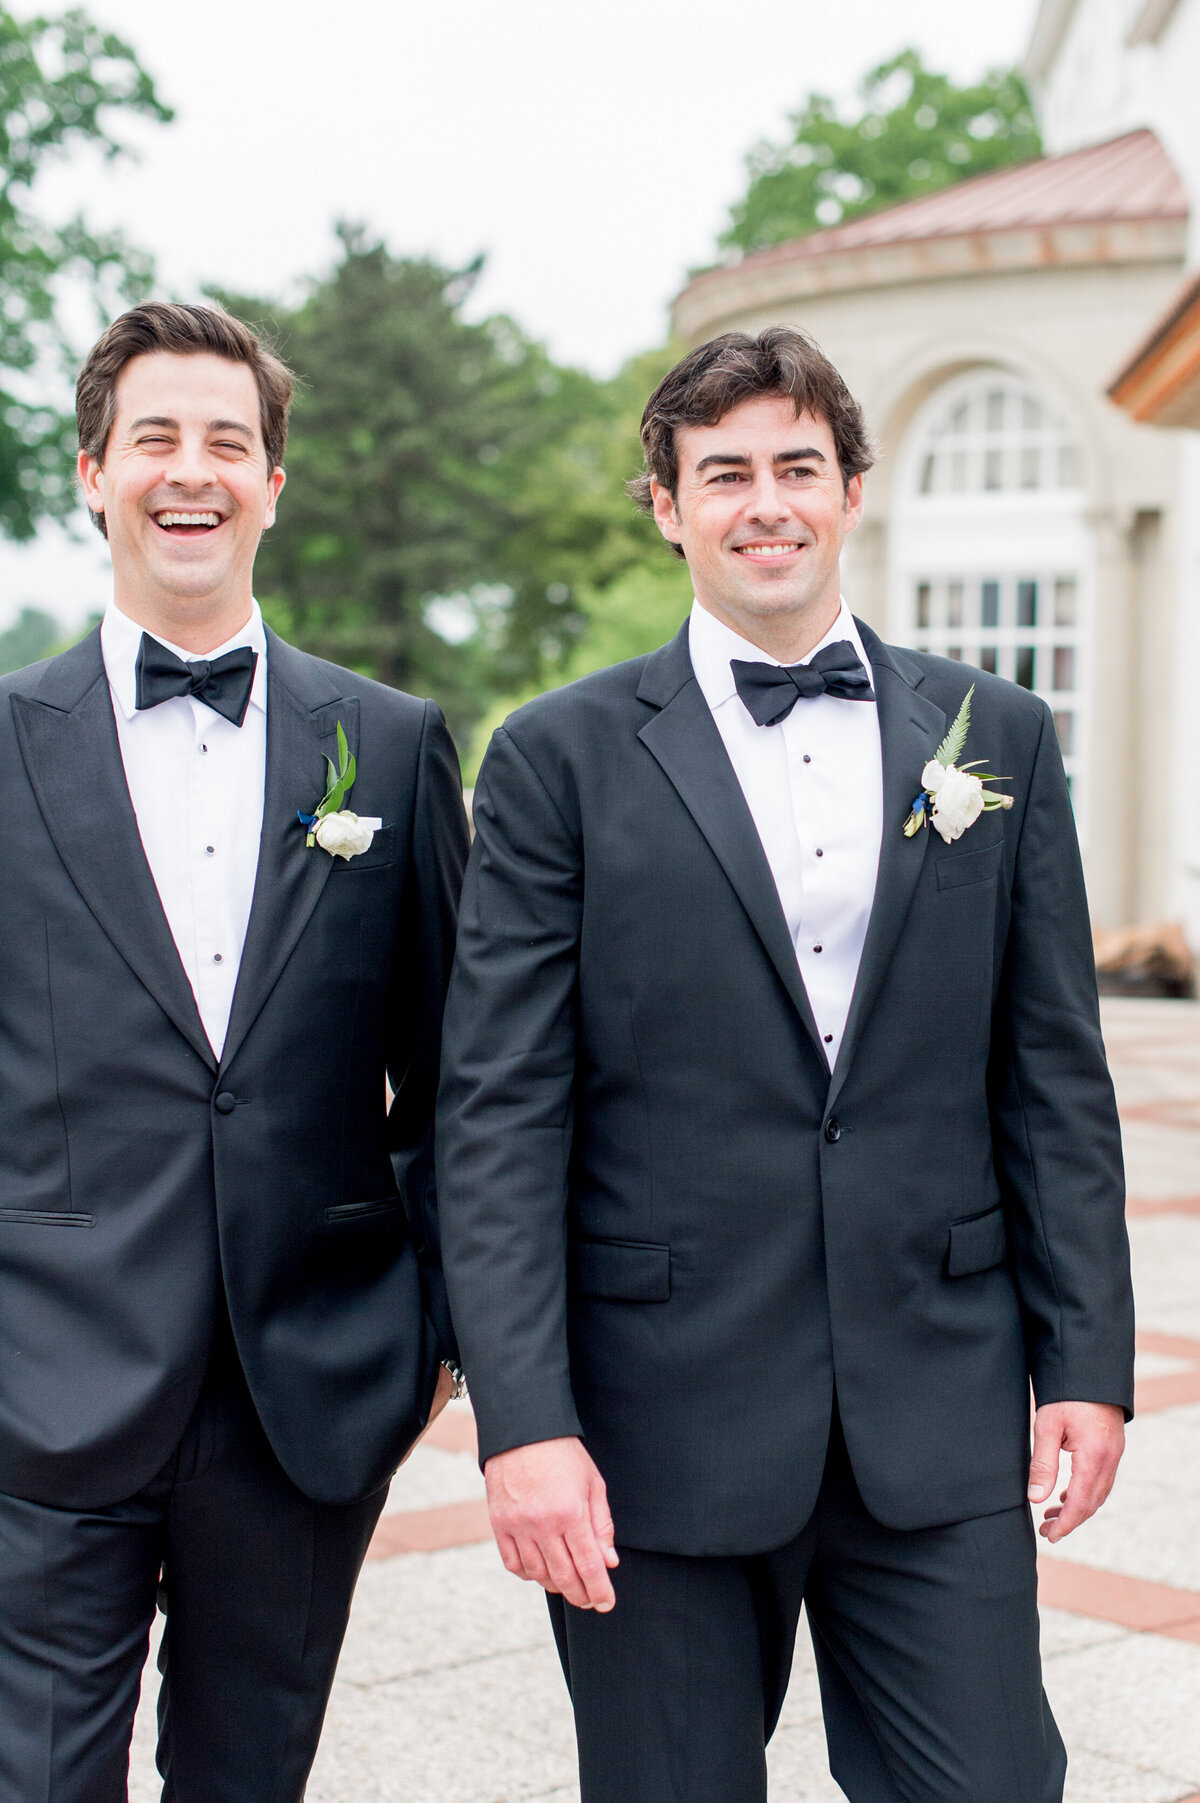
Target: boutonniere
334,828
952,795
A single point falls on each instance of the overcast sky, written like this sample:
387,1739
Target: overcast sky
590,151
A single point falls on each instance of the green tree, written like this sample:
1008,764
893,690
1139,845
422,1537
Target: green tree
448,492
629,591
61,80
32,635
913,132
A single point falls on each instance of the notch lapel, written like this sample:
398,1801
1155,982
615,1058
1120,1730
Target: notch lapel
304,705
68,738
910,730
683,737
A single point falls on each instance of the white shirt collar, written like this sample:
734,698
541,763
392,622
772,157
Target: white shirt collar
121,638
712,645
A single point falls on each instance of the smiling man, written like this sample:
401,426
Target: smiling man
222,1322
778,1154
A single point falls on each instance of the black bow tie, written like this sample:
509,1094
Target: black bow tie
770,691
224,684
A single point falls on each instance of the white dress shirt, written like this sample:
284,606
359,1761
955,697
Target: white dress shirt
196,784
814,786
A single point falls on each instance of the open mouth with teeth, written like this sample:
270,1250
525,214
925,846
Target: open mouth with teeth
187,525
768,550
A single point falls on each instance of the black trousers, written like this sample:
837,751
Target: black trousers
256,1581
926,1646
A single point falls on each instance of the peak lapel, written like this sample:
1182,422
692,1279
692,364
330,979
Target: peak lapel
304,706
68,739
684,739
910,730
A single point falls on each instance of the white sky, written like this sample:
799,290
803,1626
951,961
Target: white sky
591,151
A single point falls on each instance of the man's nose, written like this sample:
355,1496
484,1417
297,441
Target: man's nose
766,502
191,467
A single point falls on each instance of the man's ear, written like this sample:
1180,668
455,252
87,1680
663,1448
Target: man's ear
854,502
275,482
666,514
91,480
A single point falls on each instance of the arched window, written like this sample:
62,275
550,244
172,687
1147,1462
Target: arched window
990,556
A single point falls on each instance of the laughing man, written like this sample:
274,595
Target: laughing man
221,1317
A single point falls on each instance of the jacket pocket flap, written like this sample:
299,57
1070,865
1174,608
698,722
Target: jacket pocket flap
977,1244
957,868
623,1270
356,1211
379,852
47,1217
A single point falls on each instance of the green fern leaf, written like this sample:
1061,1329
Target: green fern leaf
956,738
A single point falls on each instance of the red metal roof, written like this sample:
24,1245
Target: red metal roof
1128,178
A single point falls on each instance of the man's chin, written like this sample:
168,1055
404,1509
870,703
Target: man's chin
775,600
188,581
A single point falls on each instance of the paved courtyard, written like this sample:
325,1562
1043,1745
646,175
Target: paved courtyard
449,1690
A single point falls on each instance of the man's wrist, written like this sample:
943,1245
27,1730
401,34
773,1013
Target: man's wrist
459,1393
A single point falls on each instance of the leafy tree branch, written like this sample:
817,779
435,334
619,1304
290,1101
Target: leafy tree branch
62,81
913,132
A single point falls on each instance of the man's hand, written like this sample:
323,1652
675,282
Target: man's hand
441,1396
550,1516
1094,1435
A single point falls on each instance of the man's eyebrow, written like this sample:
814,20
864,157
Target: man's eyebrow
214,425
739,460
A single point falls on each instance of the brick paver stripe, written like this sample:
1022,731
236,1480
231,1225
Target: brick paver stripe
1163,1205
1177,1387
430,1530
1127,1602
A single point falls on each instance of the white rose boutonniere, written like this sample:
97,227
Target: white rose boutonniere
334,828
952,795
343,835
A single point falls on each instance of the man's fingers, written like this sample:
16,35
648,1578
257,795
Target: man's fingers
577,1569
524,1560
591,1560
574,1566
1076,1508
537,1566
1094,1436
510,1556
602,1523
1091,1480
551,1519
1043,1466
566,1576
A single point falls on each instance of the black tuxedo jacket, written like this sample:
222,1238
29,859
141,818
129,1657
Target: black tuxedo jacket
138,1177
666,1226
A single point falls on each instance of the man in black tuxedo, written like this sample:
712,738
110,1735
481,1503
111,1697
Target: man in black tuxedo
778,1154
221,1314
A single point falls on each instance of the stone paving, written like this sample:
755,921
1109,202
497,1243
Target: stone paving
449,1689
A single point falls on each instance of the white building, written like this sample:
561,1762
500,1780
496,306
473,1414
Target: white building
1019,518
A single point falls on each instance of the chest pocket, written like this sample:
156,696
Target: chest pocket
955,869
379,852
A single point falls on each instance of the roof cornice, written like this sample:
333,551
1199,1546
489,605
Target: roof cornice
1045,40
762,285
1161,382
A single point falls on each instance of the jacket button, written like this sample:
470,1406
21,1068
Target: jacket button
833,1131
225,1103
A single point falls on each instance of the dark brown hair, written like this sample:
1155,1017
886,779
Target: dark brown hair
709,382
186,330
